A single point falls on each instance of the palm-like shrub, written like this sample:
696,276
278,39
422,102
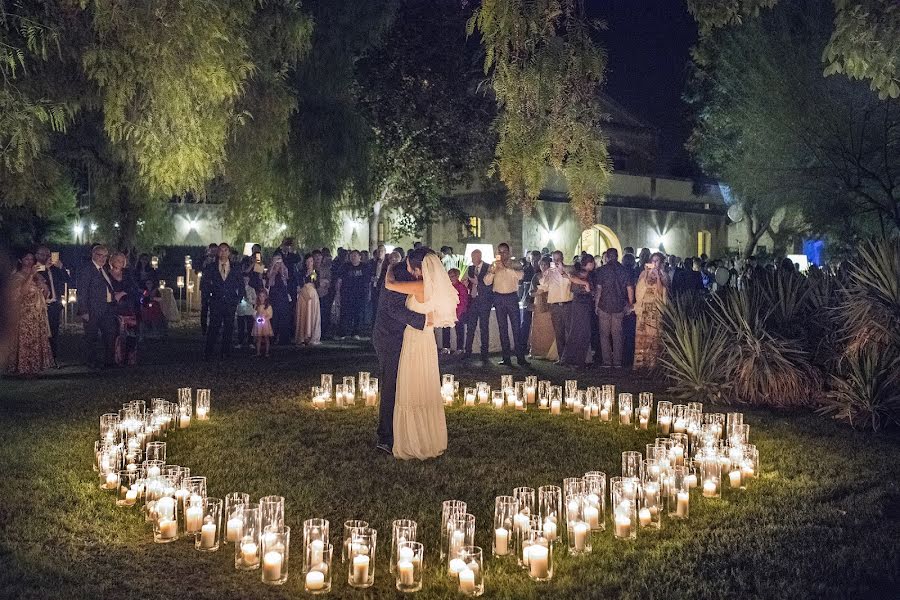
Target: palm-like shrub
697,358
870,312
867,393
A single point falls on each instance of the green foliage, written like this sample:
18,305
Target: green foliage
545,71
866,393
870,307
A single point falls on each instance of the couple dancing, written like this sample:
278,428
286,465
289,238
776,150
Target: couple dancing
418,297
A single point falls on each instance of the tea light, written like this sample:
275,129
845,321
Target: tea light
555,407
406,572
467,581
579,533
208,535
234,529
709,488
665,424
644,517
168,528
734,478
315,581
360,569
683,502
539,561
623,526
248,554
501,541
271,568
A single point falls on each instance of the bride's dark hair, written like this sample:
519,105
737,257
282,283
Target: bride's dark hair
418,255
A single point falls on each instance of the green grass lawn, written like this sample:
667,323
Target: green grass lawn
822,521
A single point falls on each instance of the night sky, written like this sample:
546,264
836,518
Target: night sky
648,44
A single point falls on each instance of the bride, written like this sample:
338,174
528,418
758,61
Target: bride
420,428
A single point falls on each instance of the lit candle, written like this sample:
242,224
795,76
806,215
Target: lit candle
501,541
315,581
112,481
193,519
168,528
604,414
467,581
623,526
644,516
592,516
644,422
747,471
624,417
555,407
735,478
202,412
483,396
248,554
234,529
579,534
316,551
498,402
539,561
406,572
665,424
680,425
529,394
681,509
470,399
678,454
521,522
153,471
519,404
185,421
360,569
208,535
165,507
130,497
709,488
456,566
271,568
691,481
550,530
587,412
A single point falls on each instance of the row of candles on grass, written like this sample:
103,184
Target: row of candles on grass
345,394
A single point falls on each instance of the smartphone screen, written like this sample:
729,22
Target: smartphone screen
54,258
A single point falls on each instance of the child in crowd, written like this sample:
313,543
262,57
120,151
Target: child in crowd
245,312
262,329
461,308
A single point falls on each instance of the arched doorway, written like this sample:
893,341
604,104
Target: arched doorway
598,239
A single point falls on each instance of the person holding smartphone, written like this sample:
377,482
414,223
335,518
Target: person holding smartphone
55,277
504,275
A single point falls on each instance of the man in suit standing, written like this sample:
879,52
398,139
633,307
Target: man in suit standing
504,277
391,320
56,279
211,252
96,305
226,287
480,302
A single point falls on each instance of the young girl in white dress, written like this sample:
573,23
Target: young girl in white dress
262,328
420,427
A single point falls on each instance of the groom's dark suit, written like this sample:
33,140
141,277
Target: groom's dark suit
387,337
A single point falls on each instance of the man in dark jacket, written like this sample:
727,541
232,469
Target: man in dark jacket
481,298
96,306
225,285
56,278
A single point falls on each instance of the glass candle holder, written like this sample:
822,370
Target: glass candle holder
679,498
363,382
717,420
449,508
595,500
349,390
315,539
710,474
538,554
317,577
606,405
550,511
275,543
521,402
555,399
506,384
326,382
247,548
651,505
570,387
402,530
750,463
193,514
155,451
271,511
643,410
448,388
165,523
361,563
626,408
526,498
497,399
484,392
631,463
664,414
506,508
734,424
680,418
470,577
211,530
679,450
109,427
372,392
410,566
543,395
234,520
349,526
127,494
578,531
339,395
203,404
470,396
691,474
583,405
531,383
624,507
460,533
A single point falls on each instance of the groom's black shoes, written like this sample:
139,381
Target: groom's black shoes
384,448
505,363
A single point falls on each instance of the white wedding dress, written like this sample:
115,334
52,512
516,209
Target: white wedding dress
420,427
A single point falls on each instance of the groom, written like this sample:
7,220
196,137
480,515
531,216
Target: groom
387,337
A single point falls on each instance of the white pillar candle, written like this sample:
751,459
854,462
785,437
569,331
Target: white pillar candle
185,421
360,569
623,526
498,403
521,522
555,407
467,581
112,481
678,455
406,572
234,529
709,488
202,411
539,561
316,551
501,541
747,471
165,507
592,516
683,502
208,535
644,516
470,399
456,541
193,519
690,481
315,581
271,567
644,422
529,395
680,425
665,424
456,566
604,414
519,404
168,528
482,397
579,535
735,478
624,417
248,554
550,530
130,497
153,471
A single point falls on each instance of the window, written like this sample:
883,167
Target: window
704,241
473,228
380,232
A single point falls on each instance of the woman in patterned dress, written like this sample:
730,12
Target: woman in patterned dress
31,352
650,295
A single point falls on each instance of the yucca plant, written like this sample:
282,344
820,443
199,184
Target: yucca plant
765,369
697,357
870,311
866,394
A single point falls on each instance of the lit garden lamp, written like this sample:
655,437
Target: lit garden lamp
180,283
154,262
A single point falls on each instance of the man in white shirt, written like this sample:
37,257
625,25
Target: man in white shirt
505,275
559,296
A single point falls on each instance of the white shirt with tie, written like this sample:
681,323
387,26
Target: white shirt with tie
109,295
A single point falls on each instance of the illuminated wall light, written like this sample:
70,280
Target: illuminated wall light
193,224
78,228
93,227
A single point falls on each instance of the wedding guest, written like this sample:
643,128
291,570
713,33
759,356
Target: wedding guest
353,286
127,297
30,352
279,294
615,297
578,334
144,272
308,330
541,339
559,297
256,267
246,310
151,316
55,278
212,252
225,285
96,307
629,321
463,294
650,295
479,305
379,264
504,277
262,327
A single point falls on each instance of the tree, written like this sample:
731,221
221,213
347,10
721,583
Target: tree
545,70
784,137
864,42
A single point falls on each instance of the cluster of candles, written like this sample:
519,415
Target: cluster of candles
696,453
345,394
